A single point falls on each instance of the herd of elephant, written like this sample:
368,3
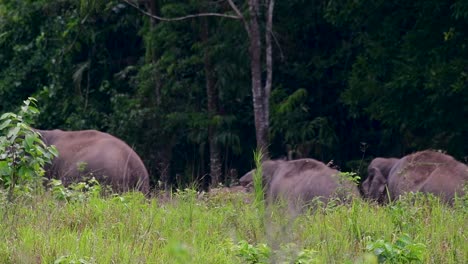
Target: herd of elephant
298,182
112,162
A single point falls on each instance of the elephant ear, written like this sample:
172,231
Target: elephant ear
378,184
247,179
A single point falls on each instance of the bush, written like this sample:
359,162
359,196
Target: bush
23,155
404,250
75,192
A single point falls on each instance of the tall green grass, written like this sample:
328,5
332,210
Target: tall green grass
225,228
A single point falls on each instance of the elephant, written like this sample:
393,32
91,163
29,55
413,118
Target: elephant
91,153
425,171
301,181
374,185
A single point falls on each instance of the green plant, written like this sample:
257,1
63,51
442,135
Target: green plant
23,155
354,219
70,260
461,201
351,176
348,182
134,229
258,179
291,253
409,208
259,191
403,250
75,192
253,254
179,252
262,253
306,256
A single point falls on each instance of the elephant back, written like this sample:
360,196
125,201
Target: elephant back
429,172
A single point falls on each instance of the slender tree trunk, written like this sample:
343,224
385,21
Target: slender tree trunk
164,153
212,107
152,7
258,93
163,165
261,94
268,57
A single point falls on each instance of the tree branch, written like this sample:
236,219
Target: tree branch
179,18
278,45
268,52
239,14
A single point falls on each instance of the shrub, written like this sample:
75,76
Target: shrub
23,155
404,250
75,192
253,254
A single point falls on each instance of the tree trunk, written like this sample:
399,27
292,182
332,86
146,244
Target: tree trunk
163,166
212,107
260,93
259,97
164,153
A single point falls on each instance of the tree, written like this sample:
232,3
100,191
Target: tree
260,89
410,73
212,108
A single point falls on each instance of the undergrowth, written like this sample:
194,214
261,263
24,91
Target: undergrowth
190,228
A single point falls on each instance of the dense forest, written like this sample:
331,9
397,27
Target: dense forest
195,86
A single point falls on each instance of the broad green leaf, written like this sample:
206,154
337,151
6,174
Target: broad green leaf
7,115
26,173
13,132
5,124
54,151
30,139
5,168
33,110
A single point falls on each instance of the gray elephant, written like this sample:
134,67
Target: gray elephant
299,182
90,153
425,171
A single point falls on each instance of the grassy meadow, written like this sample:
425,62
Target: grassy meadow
226,227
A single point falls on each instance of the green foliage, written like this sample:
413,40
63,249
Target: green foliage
406,57
292,121
170,96
180,253
306,256
257,177
72,260
262,253
353,220
345,72
23,155
131,228
461,201
75,192
253,254
402,250
350,176
460,9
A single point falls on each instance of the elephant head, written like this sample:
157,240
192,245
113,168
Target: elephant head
374,187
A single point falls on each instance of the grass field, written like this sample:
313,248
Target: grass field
226,228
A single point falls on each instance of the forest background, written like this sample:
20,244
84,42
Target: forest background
350,79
